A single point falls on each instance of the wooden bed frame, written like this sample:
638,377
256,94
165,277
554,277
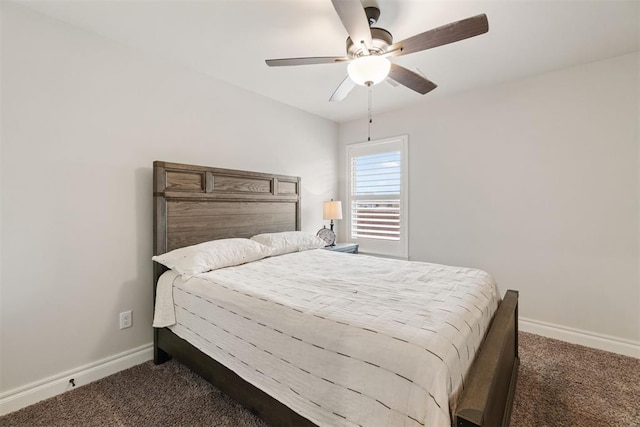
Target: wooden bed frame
193,204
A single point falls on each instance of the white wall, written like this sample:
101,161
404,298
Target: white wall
535,181
83,119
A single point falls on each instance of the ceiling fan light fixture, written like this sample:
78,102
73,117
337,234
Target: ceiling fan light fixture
369,70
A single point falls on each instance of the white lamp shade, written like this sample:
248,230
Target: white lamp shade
369,68
332,210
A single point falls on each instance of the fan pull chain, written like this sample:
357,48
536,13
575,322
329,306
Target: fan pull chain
370,111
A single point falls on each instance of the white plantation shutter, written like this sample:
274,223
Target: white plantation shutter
376,219
374,177
377,196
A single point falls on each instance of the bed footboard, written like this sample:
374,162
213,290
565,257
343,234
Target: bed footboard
488,397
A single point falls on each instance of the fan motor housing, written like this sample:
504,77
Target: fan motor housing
381,38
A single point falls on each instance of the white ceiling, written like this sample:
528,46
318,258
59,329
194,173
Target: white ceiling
231,39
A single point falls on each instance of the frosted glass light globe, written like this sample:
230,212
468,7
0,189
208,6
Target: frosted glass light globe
371,68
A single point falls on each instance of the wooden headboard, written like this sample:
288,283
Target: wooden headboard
195,204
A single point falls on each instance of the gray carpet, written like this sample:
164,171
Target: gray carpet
559,384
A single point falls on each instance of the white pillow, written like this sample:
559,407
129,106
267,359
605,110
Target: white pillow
207,256
289,241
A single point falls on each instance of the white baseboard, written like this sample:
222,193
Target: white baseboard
585,338
29,394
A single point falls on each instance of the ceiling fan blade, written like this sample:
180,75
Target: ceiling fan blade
410,79
343,90
445,34
306,61
355,21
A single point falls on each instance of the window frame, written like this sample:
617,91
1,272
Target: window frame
395,249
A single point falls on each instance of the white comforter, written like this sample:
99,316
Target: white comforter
341,339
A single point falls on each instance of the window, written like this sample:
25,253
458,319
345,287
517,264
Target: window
377,196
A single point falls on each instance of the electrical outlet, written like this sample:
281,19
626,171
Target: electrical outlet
126,319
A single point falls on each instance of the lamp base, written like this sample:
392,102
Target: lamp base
334,233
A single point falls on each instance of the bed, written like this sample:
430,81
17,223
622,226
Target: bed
194,204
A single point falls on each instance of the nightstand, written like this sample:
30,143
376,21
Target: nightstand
350,248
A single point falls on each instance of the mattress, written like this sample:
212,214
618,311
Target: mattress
344,340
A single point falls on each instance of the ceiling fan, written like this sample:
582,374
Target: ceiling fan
368,48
